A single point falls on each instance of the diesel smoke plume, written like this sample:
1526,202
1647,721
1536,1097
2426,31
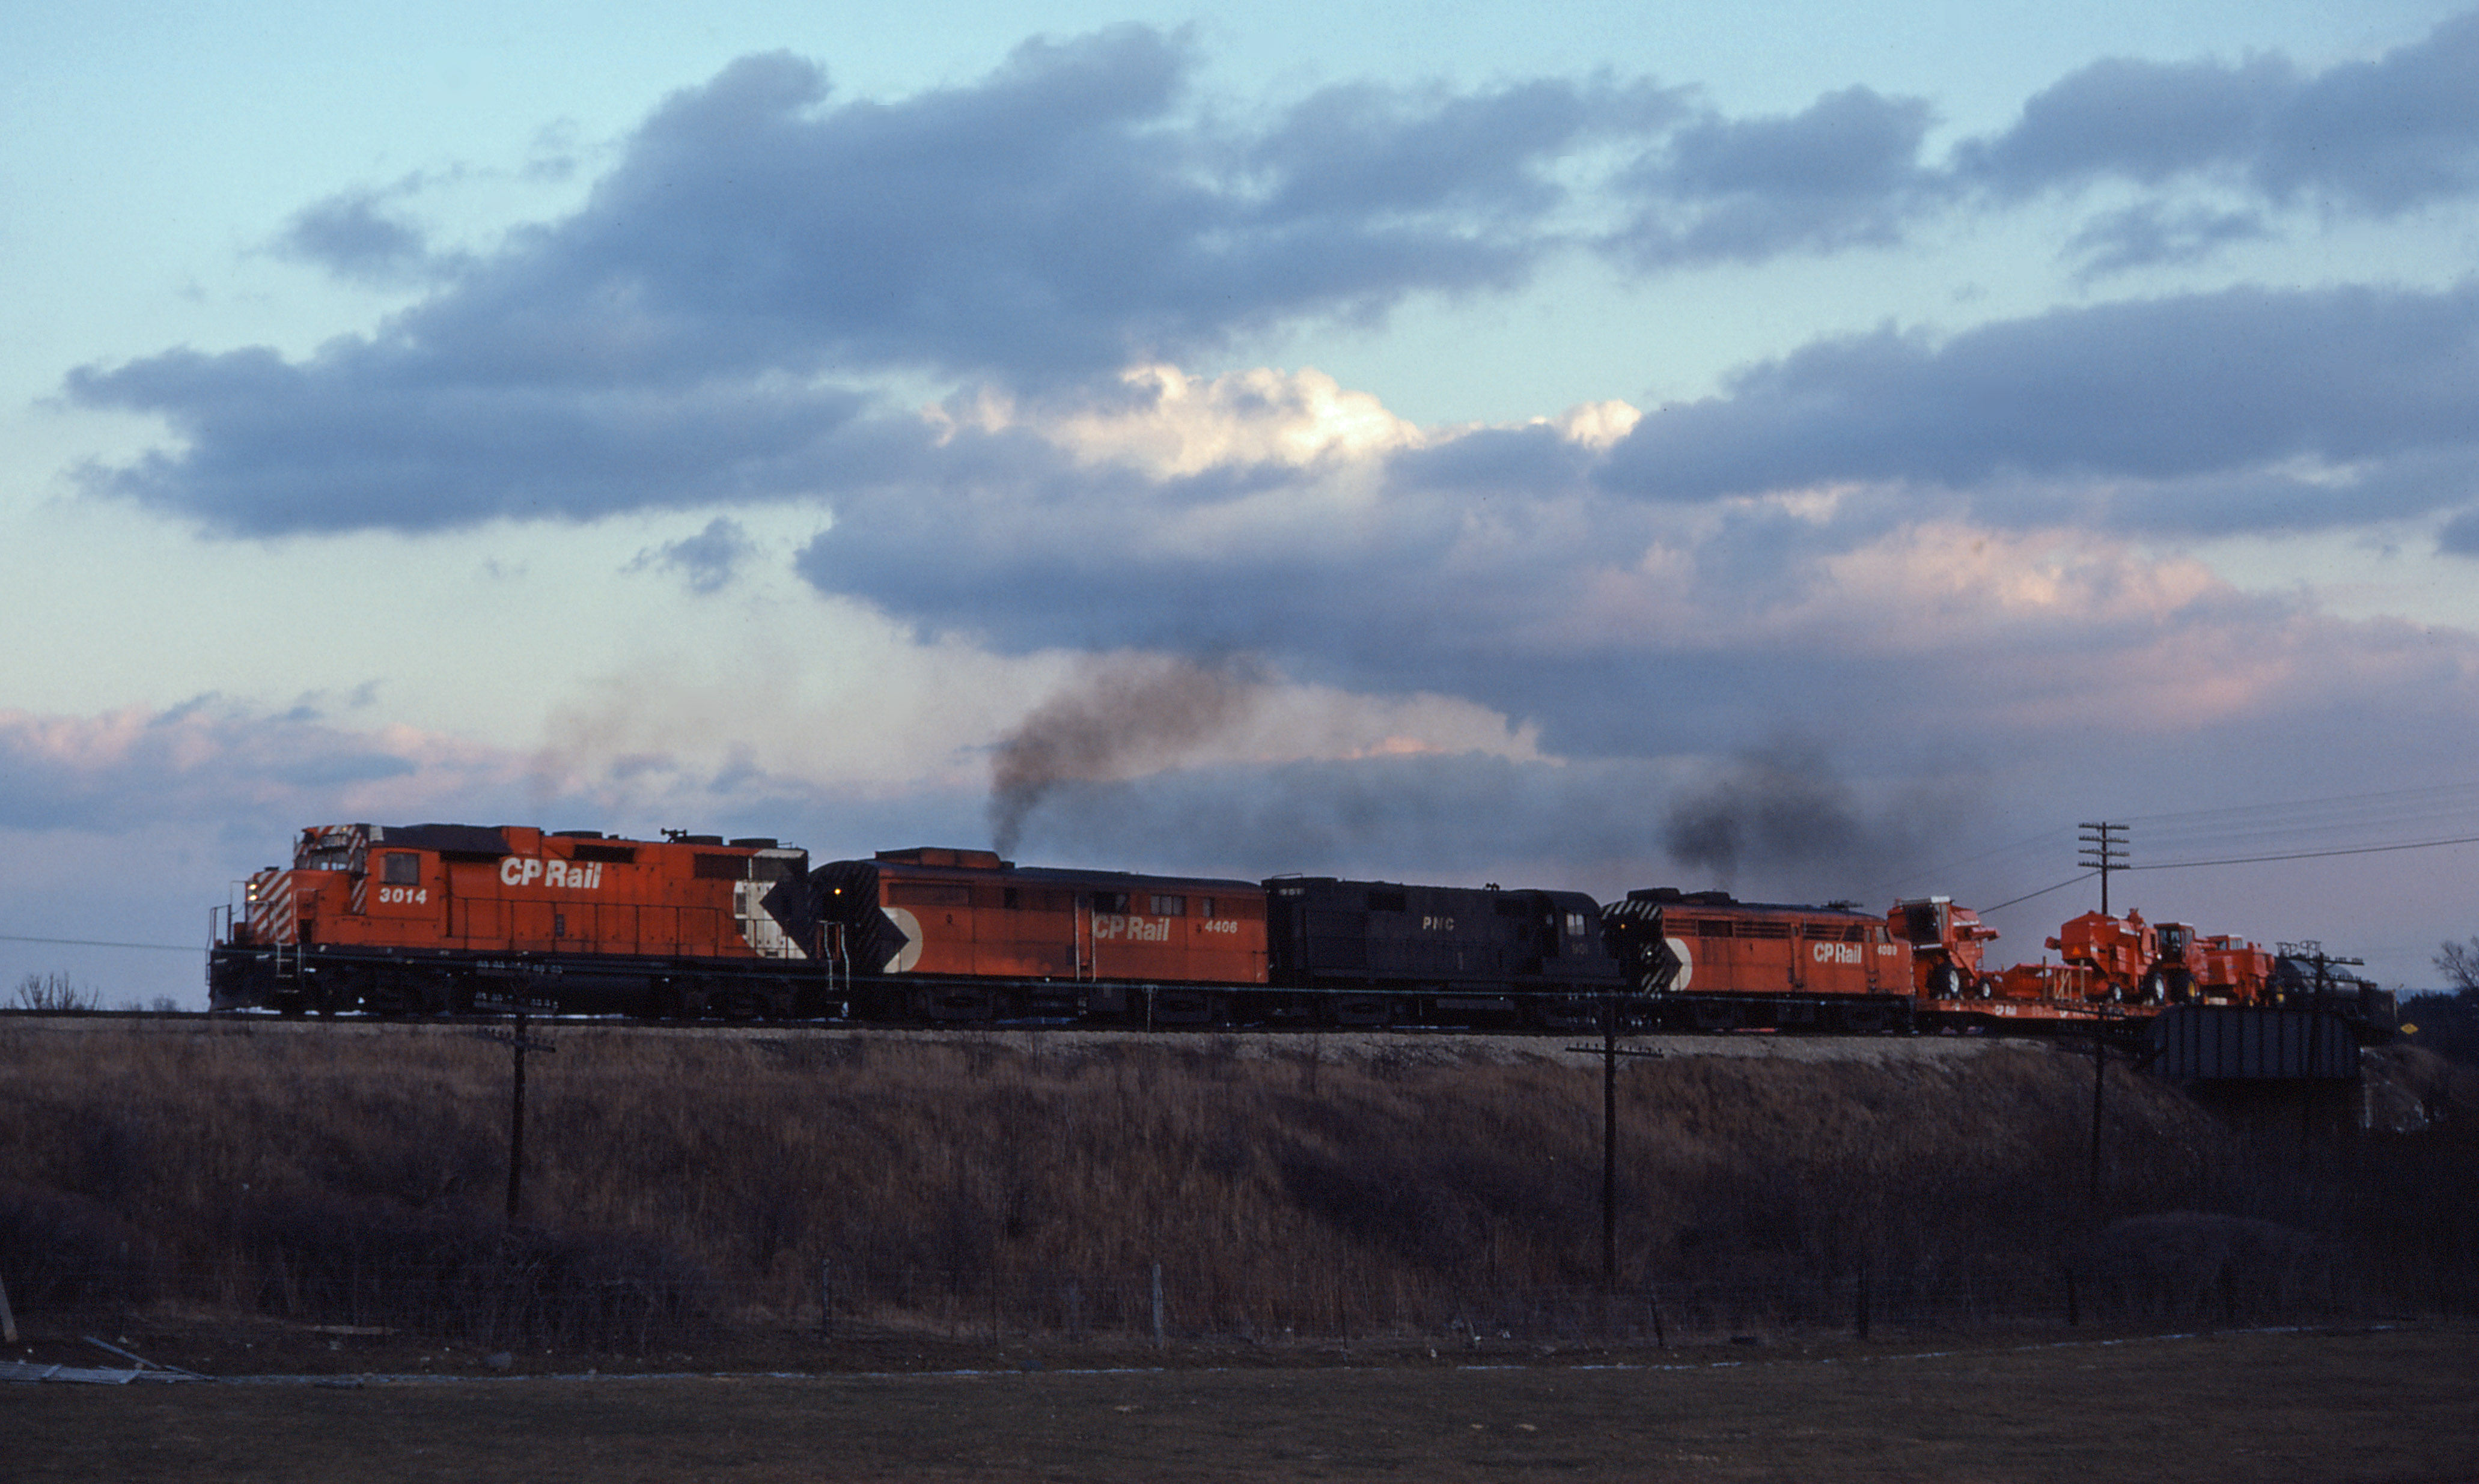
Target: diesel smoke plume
1124,716
1778,808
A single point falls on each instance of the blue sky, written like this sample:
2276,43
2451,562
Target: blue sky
1817,453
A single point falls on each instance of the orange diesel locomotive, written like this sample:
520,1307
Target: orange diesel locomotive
1704,961
431,917
945,934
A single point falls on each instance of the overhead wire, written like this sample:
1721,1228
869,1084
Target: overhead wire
88,942
2042,892
2258,833
2302,855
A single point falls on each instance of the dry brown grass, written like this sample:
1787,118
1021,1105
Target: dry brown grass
1007,1182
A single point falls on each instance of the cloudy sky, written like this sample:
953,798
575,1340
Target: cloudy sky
1819,454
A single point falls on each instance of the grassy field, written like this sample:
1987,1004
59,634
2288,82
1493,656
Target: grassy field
2360,1406
334,1193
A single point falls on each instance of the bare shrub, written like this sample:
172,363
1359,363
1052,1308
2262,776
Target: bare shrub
66,1253
462,1274
54,994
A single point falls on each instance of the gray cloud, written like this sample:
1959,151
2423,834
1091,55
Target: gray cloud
2152,234
717,322
707,560
2160,390
1427,150
1501,564
380,435
205,759
353,236
1844,172
707,325
2461,535
2381,136
2137,120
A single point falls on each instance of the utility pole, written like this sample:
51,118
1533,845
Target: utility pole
1609,1142
2100,1085
2311,953
2104,850
518,1042
1609,1051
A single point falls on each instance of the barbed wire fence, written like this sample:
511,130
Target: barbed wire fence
531,1292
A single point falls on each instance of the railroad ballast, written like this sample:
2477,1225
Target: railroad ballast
438,918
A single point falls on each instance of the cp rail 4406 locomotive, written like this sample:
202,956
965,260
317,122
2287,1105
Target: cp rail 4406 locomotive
440,918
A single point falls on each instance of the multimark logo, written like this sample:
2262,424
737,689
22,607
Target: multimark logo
575,875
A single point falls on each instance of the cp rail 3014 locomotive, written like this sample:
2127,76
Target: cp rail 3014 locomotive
437,919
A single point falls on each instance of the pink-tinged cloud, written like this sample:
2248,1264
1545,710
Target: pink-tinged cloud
209,761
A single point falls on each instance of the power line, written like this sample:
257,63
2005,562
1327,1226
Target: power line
2306,854
2253,832
2043,891
88,942
2270,825
2175,866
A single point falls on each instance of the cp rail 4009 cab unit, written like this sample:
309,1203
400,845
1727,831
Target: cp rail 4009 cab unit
960,934
433,918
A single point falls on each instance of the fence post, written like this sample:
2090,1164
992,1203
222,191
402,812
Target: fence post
825,1298
8,1319
1862,1302
2074,1303
1652,1304
1158,1307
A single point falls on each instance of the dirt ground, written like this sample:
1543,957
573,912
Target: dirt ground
2398,1404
